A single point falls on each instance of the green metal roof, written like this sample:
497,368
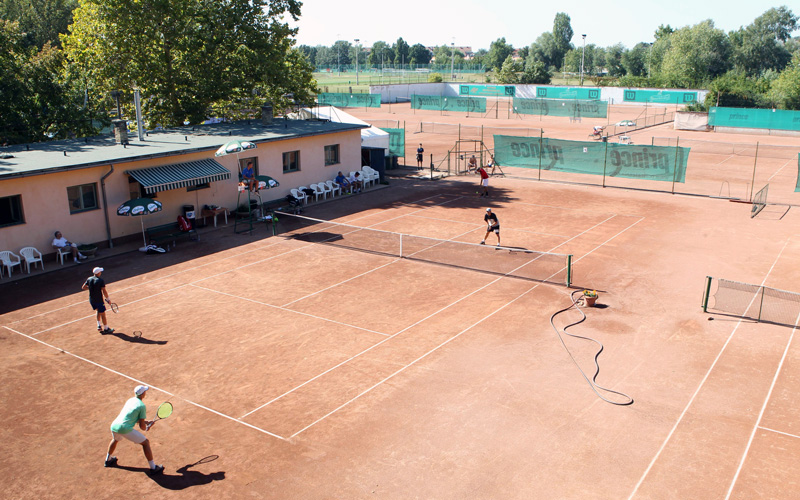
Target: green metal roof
178,175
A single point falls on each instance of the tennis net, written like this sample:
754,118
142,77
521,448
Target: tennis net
752,301
502,261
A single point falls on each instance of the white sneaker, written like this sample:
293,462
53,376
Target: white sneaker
81,256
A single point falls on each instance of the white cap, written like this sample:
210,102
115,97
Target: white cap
140,389
488,209
97,270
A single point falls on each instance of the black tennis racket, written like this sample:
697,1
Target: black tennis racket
164,411
113,305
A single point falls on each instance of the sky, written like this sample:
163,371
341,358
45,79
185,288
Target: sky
478,23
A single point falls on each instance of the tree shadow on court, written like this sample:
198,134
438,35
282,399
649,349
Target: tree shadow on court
136,340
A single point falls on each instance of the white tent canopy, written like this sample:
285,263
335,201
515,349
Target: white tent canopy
370,137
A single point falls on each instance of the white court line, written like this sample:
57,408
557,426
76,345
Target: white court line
290,310
446,341
146,383
702,383
779,432
778,171
763,408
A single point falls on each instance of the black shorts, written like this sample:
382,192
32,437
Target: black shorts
495,229
419,157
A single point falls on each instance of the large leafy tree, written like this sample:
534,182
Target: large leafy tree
419,54
401,50
562,38
189,56
636,61
761,45
381,53
499,51
696,55
785,91
41,21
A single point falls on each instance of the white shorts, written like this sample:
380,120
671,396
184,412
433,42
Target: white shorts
133,436
485,182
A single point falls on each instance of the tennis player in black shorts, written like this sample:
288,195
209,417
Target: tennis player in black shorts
97,292
492,226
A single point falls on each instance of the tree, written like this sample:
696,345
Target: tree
187,56
499,51
309,52
760,46
41,21
535,72
341,53
480,56
381,53
785,90
419,54
442,55
401,50
562,38
635,61
614,56
509,72
696,55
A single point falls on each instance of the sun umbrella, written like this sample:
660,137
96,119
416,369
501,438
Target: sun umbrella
137,207
234,147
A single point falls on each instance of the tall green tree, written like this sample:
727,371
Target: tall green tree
401,50
785,91
188,56
562,38
380,53
499,51
636,61
41,21
509,71
614,55
761,45
443,55
419,54
696,55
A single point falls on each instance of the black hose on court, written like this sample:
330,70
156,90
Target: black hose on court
593,382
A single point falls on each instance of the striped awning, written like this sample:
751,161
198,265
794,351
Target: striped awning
178,175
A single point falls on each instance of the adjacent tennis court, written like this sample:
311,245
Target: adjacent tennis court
379,351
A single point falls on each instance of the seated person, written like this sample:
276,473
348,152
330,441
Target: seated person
342,181
355,180
473,163
61,243
597,130
249,177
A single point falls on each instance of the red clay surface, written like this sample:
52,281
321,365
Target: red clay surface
312,371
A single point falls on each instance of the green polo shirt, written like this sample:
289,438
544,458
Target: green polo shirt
131,413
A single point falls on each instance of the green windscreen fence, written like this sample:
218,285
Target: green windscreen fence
575,108
397,141
487,90
585,93
660,96
776,119
656,163
442,103
346,100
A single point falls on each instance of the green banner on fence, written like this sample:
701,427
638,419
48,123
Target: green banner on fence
441,103
574,108
655,163
797,188
585,93
345,100
776,119
488,90
397,141
659,96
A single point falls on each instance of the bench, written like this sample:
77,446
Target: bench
169,232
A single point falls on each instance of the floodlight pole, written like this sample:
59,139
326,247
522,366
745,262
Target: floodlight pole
338,56
650,60
452,57
356,40
583,55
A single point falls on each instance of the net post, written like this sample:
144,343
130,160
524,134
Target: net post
755,162
675,166
541,134
401,245
605,162
569,270
274,224
706,293
761,304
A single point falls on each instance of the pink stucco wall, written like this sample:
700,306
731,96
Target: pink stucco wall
46,207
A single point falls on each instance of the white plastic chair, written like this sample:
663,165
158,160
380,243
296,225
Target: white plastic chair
319,192
335,189
299,194
371,175
325,190
31,256
9,259
61,252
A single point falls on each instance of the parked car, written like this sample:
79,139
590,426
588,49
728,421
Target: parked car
626,123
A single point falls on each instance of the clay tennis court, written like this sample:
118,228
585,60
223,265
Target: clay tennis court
307,370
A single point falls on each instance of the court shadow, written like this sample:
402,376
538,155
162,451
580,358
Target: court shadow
137,340
188,477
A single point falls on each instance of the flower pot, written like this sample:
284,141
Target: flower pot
590,300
